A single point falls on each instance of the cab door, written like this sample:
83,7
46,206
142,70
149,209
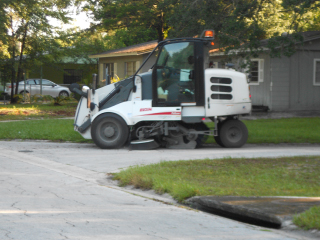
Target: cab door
176,78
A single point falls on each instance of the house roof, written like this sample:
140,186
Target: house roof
307,36
137,49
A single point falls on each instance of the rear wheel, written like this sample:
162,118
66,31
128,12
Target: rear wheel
25,95
109,131
233,134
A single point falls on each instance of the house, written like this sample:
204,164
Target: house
124,62
67,72
286,83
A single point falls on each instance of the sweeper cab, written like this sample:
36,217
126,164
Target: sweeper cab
168,105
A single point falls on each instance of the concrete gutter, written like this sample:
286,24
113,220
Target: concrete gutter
262,211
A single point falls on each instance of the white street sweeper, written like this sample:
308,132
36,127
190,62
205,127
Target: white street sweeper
167,105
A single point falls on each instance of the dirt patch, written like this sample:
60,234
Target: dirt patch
62,113
19,112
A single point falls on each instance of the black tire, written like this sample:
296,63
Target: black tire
233,134
109,131
22,92
63,94
217,138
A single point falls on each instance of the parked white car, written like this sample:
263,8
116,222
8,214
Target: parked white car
48,88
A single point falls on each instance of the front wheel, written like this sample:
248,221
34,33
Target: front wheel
109,131
233,134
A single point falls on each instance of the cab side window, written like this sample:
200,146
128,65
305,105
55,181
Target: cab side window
174,73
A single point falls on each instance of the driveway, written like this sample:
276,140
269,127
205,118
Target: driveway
61,191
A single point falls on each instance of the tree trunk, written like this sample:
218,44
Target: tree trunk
13,72
160,28
20,71
13,53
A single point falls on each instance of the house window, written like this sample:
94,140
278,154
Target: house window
130,68
316,72
109,69
256,71
72,76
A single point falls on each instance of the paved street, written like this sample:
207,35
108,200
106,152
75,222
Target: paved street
61,191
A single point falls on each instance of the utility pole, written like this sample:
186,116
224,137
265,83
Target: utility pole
41,80
25,85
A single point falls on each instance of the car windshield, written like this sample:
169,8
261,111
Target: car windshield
31,82
44,82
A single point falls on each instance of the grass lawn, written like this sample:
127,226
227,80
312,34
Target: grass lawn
36,111
289,176
310,219
49,129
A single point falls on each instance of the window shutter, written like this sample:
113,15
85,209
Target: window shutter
316,80
261,70
115,68
137,65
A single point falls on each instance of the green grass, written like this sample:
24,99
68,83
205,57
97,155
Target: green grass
289,130
309,219
291,176
49,129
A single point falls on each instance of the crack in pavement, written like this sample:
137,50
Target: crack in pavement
71,200
7,233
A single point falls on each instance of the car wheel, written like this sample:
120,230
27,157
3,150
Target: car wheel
233,134
109,131
24,94
63,94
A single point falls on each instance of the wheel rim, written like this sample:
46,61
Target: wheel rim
109,132
234,134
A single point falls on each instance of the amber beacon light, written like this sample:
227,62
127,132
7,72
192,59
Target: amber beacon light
207,34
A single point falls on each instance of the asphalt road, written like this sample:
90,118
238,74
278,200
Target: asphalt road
61,191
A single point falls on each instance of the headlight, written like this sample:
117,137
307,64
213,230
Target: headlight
85,89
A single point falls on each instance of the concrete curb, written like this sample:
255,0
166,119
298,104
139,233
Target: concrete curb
262,211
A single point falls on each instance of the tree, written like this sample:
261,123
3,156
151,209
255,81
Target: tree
240,25
302,14
136,20
28,30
